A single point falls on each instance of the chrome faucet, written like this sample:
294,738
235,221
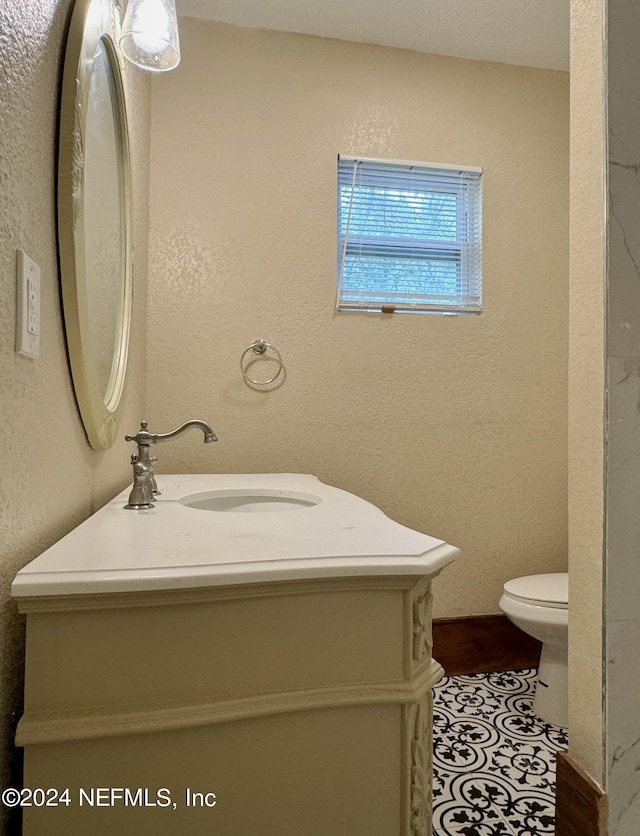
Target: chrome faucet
145,488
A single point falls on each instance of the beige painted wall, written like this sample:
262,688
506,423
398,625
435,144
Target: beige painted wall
455,426
586,385
50,479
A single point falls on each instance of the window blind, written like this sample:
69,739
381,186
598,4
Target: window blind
409,236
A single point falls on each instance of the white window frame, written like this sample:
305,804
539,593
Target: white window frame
466,183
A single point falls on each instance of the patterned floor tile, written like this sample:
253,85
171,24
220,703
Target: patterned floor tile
494,760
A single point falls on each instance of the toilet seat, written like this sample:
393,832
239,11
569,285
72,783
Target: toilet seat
551,590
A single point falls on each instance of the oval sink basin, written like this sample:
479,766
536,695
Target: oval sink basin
250,500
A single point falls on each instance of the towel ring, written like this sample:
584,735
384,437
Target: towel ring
259,347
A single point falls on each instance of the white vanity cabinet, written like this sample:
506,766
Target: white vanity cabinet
274,699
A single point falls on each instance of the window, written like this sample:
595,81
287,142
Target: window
409,237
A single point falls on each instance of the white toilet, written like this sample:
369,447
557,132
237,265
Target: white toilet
539,605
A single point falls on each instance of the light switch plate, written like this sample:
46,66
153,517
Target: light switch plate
28,306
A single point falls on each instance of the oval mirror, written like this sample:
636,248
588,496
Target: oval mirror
94,217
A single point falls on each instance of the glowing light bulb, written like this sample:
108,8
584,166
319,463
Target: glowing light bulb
149,36
152,26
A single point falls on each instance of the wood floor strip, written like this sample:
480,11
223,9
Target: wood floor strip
581,804
481,644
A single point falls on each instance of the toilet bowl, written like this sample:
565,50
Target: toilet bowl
539,605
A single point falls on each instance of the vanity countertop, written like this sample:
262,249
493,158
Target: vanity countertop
173,546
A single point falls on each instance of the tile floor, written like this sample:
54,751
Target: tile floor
493,764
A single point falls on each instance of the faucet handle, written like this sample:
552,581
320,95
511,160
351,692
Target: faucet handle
143,436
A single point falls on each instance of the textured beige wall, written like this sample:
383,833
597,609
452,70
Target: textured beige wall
455,426
586,385
50,479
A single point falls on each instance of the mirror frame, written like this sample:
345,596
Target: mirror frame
92,21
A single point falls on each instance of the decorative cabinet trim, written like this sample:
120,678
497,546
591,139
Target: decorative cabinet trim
417,767
57,727
418,637
422,640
